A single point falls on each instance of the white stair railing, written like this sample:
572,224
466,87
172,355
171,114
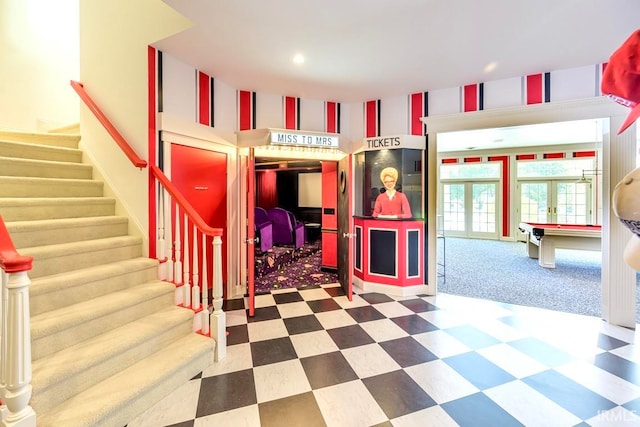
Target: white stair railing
15,336
188,255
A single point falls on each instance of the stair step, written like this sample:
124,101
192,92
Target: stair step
57,329
52,231
65,289
39,152
39,208
44,168
33,138
58,377
120,398
48,187
55,259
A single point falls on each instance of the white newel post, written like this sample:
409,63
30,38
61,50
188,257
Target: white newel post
15,363
218,320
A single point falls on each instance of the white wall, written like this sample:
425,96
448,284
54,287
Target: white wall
39,47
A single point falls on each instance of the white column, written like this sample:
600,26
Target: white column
218,319
16,352
618,279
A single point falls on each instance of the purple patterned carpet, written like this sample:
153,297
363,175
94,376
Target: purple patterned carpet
285,267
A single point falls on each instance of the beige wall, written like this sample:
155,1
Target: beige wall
39,47
114,38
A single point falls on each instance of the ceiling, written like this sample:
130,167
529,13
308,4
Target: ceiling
358,50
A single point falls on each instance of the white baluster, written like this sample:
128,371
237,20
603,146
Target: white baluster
177,275
218,319
195,289
205,287
160,245
185,266
168,237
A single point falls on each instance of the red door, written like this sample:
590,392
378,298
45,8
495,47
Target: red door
201,176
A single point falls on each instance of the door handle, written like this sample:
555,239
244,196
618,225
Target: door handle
252,241
348,235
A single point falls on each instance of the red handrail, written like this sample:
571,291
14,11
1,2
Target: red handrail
184,204
10,260
117,137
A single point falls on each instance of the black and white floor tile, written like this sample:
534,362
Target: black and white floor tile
310,357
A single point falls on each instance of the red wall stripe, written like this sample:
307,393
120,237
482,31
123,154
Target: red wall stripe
470,98
417,106
291,112
331,112
204,103
506,196
534,89
584,154
372,111
553,156
525,156
472,159
152,136
245,110
451,160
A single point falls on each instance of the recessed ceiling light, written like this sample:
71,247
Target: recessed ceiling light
490,67
298,58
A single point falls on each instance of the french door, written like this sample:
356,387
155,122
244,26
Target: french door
470,209
556,202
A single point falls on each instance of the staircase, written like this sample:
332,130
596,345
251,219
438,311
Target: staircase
107,339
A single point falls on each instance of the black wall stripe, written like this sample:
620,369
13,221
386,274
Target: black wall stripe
378,112
338,118
481,96
211,100
547,87
297,113
253,109
159,83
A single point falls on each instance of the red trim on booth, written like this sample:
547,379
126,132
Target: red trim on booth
584,154
451,160
472,159
506,196
553,156
525,156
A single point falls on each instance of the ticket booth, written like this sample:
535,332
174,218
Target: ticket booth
389,232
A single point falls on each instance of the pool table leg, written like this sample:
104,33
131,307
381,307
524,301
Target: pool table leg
547,257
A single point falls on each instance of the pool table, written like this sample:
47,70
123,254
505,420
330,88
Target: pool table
543,239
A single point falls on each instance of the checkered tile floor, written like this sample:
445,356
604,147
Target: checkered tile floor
310,357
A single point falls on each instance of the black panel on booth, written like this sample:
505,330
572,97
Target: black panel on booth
413,250
382,259
358,254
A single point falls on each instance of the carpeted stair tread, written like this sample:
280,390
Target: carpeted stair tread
120,398
64,318
41,138
44,168
54,259
39,152
39,208
61,375
11,186
60,290
65,230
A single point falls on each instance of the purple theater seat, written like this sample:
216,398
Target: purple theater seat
286,229
263,229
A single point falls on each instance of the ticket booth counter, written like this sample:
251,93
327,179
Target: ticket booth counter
388,236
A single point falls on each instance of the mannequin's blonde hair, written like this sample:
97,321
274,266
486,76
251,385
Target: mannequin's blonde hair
392,172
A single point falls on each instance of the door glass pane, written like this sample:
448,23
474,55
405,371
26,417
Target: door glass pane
453,207
533,202
484,208
571,202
